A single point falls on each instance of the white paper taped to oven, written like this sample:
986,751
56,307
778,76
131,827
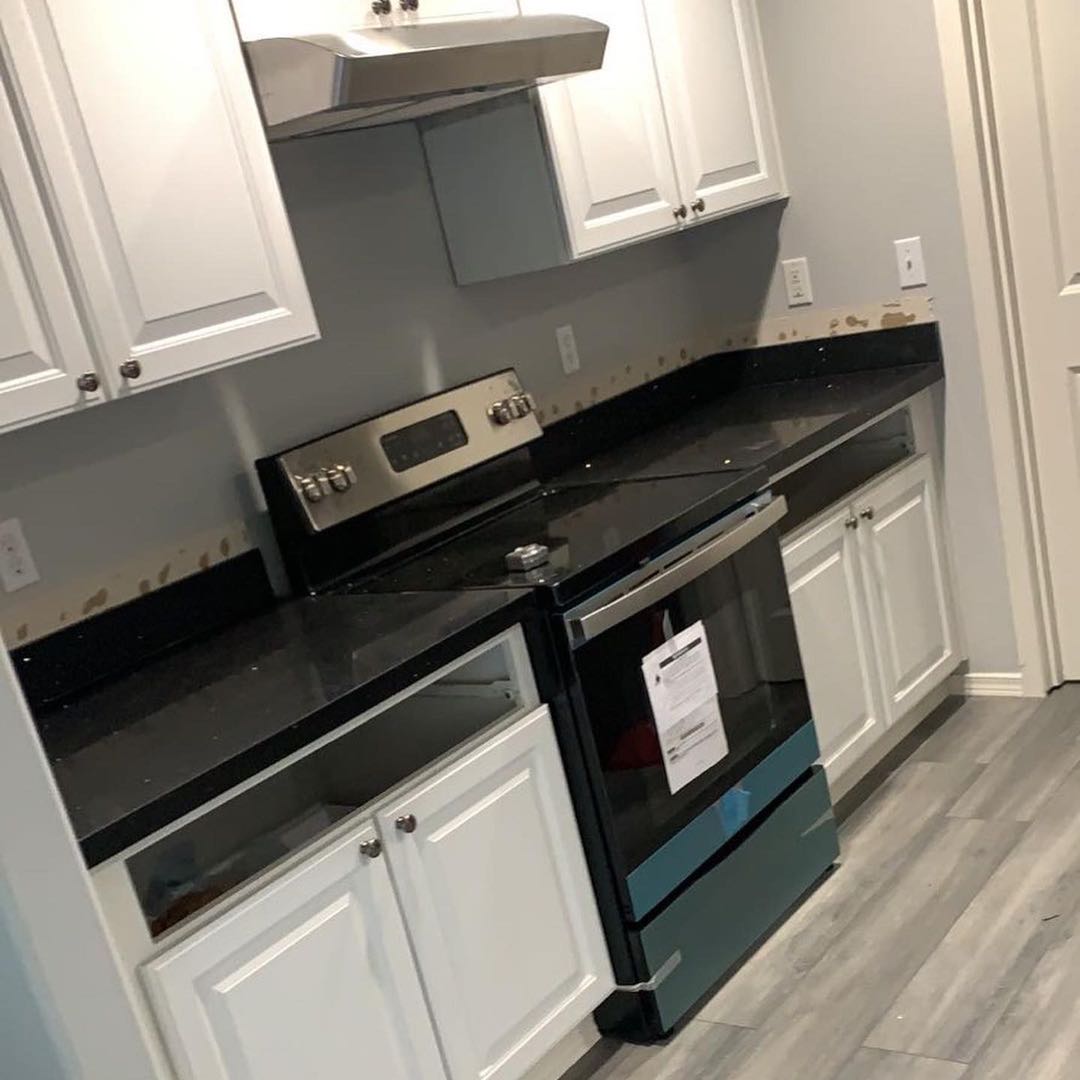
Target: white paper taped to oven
686,705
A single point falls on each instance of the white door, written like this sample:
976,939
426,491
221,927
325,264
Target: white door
43,349
497,900
1036,87
835,640
310,978
608,136
903,559
719,112
167,198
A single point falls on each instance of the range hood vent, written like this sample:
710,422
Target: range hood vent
360,78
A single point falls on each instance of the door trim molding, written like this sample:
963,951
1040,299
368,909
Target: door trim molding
970,104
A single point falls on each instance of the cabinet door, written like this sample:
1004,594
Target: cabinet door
607,135
451,9
497,900
42,346
311,977
904,562
152,142
719,112
831,618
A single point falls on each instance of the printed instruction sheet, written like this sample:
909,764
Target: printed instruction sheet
686,706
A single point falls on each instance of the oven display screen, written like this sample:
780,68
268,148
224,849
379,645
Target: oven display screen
413,445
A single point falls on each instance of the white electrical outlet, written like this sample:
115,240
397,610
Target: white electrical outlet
17,567
797,281
909,260
571,362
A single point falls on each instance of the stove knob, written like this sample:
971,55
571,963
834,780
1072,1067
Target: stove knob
501,412
519,406
350,474
338,480
310,487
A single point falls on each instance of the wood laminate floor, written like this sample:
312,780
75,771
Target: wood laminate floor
945,946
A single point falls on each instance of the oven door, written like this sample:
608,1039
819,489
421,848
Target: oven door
730,585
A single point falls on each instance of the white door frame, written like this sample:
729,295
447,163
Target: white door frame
978,172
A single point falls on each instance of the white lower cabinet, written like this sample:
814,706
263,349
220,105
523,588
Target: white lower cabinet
489,869
478,873
904,562
828,599
872,609
312,977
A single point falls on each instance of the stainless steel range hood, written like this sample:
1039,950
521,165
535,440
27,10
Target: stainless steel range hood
380,75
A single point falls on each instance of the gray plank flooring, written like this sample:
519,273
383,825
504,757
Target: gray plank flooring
945,946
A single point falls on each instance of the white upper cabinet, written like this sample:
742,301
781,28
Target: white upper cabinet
712,77
835,639
165,196
904,560
453,9
608,136
311,977
273,18
43,350
491,876
675,128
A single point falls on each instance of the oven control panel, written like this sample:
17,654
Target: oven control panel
360,468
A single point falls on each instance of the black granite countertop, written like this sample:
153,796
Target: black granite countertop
771,425
143,750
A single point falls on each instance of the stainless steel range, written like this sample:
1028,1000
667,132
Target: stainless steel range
678,689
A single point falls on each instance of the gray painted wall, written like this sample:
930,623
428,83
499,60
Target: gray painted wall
866,147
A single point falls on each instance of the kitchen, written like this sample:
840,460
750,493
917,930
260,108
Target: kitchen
170,483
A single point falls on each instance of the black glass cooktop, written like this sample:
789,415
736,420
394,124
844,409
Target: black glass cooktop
595,534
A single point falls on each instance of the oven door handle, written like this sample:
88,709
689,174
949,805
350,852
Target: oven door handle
678,574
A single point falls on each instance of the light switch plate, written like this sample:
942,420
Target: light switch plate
17,569
797,281
910,262
571,362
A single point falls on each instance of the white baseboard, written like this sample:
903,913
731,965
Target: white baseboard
989,684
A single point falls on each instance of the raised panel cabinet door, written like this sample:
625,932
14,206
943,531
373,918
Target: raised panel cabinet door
489,869
903,556
165,193
835,640
310,978
719,110
43,349
608,137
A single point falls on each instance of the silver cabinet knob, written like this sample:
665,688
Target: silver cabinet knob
680,212
88,382
852,522
406,823
867,513
698,206
371,849
380,7
131,369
